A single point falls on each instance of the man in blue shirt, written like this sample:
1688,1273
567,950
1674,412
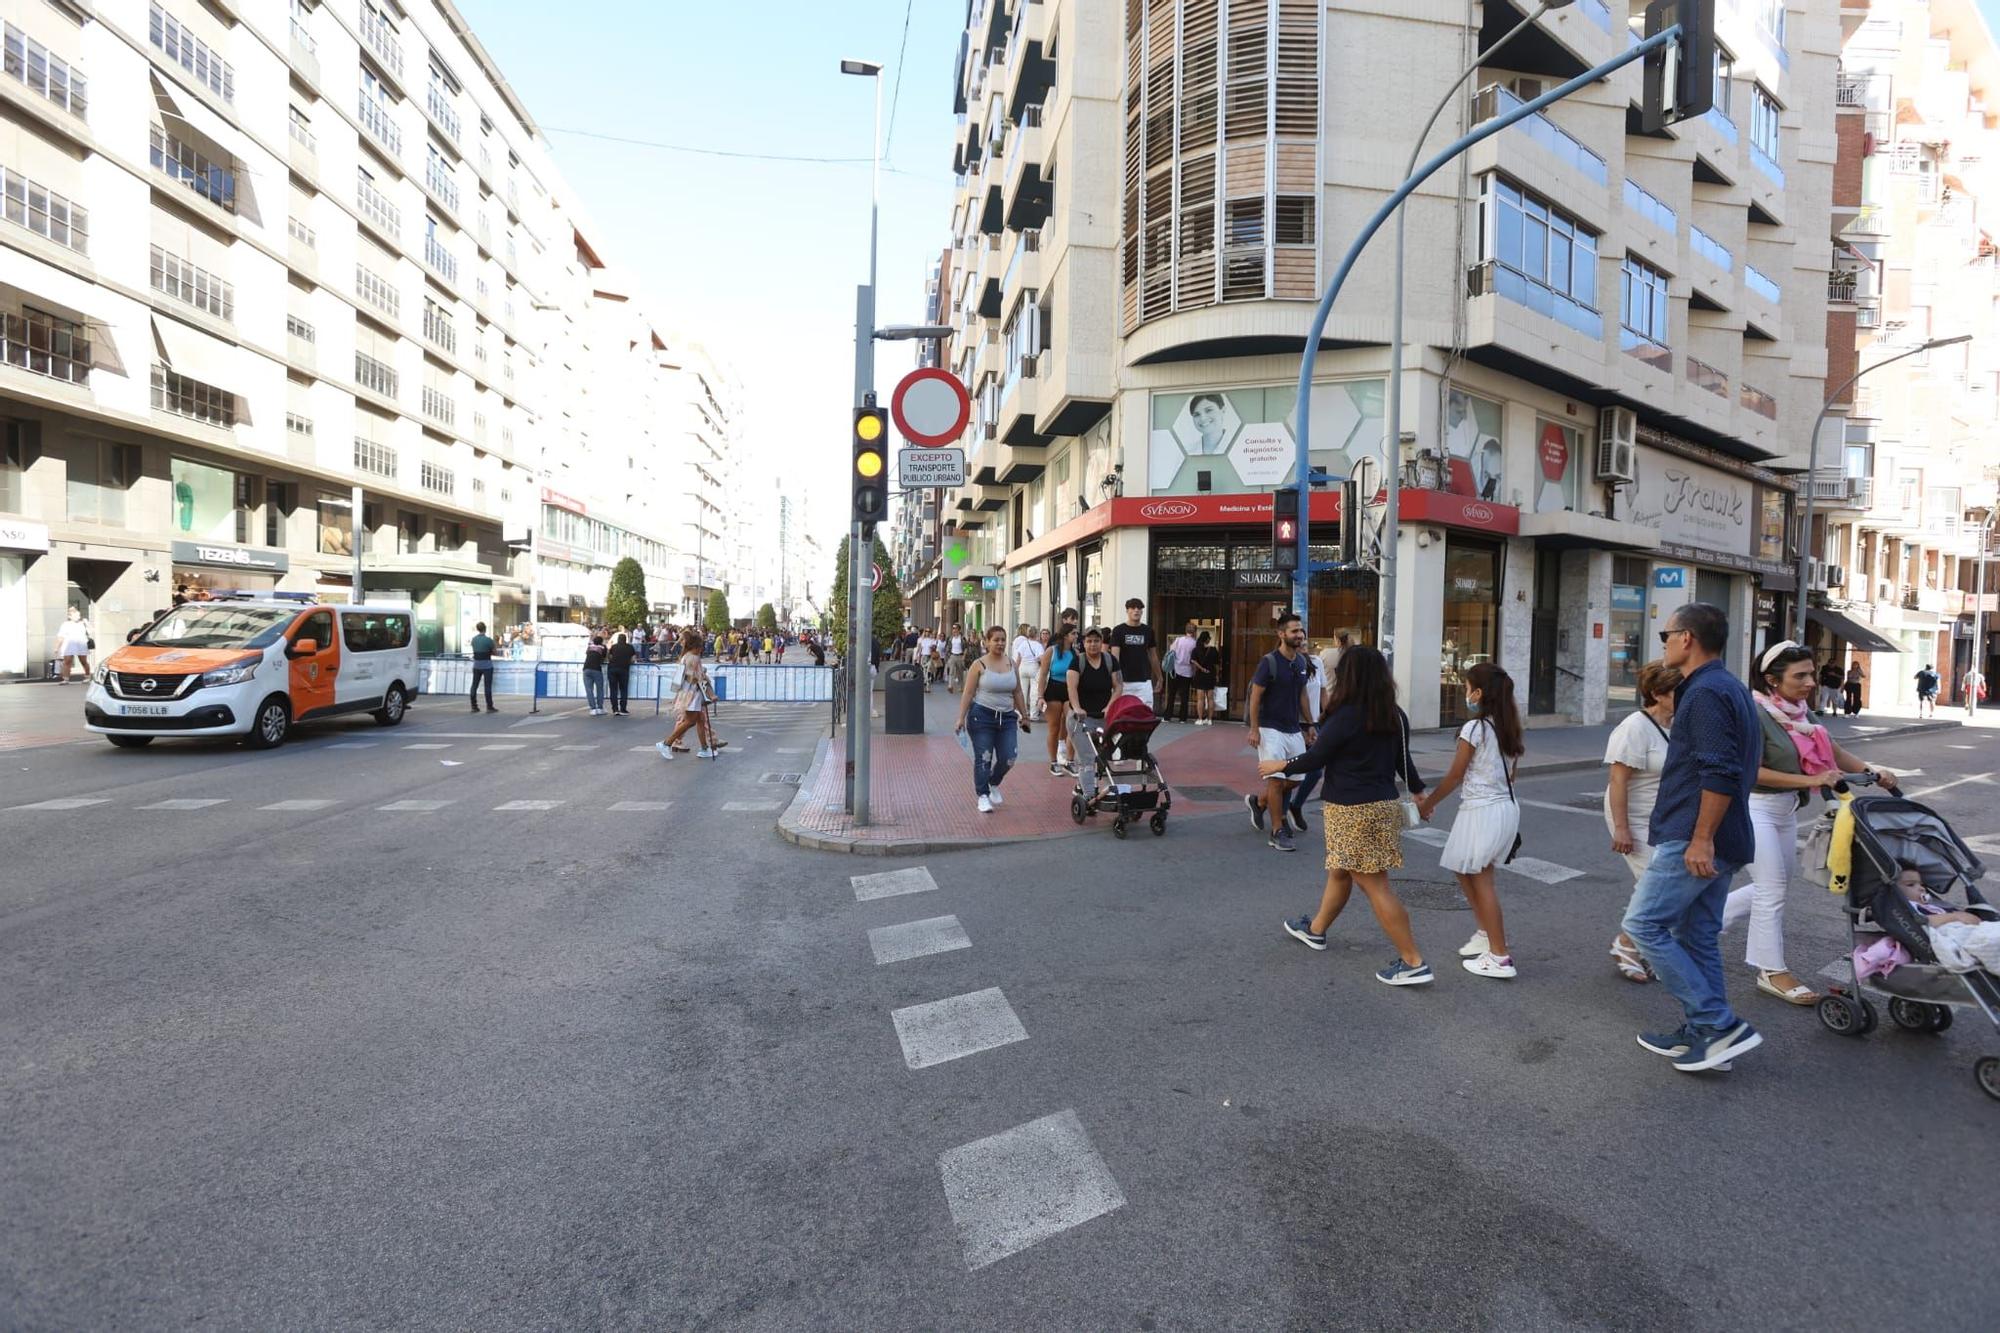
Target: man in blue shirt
1701,837
1279,725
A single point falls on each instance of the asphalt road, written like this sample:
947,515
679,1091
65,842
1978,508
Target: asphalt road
332,1065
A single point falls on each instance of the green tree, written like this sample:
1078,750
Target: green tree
767,617
888,610
625,605
718,612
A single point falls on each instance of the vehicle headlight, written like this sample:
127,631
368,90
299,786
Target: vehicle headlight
233,675
101,675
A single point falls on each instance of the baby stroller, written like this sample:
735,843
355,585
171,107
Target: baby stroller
1855,850
1123,776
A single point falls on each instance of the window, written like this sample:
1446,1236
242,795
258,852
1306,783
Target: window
437,175
374,205
1764,112
410,532
373,288
184,164
379,376
44,212
298,328
1725,79
300,426
191,54
336,525
434,478
100,473
45,344
374,631
437,254
299,126
204,501
17,455
301,233
190,398
30,63
1643,306
1294,219
196,287
1541,257
374,456
375,111
438,326
280,499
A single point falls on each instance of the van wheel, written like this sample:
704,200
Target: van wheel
130,742
393,705
271,725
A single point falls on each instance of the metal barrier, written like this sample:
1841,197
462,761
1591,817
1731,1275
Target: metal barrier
655,681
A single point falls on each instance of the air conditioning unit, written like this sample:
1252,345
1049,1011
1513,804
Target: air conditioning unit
1836,576
1885,591
1618,444
1815,576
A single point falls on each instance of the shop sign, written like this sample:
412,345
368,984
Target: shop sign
968,588
1254,507
17,534
1625,597
551,496
231,557
1456,511
1259,580
1693,505
1670,576
990,582
1767,608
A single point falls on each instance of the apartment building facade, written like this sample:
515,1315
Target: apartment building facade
1908,469
1611,336
263,264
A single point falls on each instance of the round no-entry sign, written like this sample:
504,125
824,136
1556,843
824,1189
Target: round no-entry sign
930,406
874,578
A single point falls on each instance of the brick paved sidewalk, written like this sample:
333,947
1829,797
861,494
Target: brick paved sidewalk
922,797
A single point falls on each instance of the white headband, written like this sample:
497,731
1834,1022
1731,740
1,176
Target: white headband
1764,662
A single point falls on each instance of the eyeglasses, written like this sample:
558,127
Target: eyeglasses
1665,632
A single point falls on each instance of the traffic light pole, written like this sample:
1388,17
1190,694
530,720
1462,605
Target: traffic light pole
1303,407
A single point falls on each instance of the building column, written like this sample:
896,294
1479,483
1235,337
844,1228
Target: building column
1419,620
1583,645
1517,610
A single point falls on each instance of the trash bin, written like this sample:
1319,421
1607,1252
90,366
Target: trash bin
903,694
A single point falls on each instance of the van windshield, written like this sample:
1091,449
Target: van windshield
218,627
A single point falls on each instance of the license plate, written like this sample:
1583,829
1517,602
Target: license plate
143,710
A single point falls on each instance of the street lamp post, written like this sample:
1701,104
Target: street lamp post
1812,466
860,550
1979,605
1392,430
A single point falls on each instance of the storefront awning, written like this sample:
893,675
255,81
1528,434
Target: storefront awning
194,354
1856,635
1565,530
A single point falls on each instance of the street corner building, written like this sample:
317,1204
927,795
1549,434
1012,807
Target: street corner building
1615,344
289,290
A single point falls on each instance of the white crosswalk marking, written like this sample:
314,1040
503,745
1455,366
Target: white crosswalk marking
1548,872
416,807
749,806
65,803
529,805
1566,809
187,803
503,747
354,745
297,805
1436,837
429,745
953,1028
636,807
892,883
1021,1186
917,939
582,747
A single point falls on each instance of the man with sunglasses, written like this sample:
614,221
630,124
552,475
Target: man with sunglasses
1701,836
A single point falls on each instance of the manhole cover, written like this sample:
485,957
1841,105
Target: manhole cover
1220,795
780,779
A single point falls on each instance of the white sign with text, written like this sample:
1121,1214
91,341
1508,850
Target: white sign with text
931,467
1691,504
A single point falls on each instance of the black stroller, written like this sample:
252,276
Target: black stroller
1124,776
1885,835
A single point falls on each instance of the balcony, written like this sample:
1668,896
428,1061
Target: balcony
439,407
381,41
1019,400
437,177
302,153
1832,489
440,259
1030,71
1028,196
376,210
40,348
375,118
1565,149
1024,267
304,53
182,164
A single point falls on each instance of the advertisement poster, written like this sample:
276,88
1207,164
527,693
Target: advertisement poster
1242,439
1557,451
1693,505
1474,462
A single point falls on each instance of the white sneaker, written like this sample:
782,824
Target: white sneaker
705,754
985,806
1490,965
1473,947
665,751
996,799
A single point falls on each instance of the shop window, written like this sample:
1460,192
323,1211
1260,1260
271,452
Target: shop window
1471,621
204,501
336,526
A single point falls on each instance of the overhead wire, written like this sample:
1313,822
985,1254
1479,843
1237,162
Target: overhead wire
724,152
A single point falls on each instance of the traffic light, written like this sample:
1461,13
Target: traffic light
1285,529
1680,77
871,466
1350,522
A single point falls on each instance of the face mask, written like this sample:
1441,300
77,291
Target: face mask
1471,706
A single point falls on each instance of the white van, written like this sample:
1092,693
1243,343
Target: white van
253,668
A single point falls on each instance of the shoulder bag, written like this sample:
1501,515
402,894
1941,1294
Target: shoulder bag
1412,817
1507,773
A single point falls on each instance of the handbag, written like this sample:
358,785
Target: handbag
1515,850
1412,817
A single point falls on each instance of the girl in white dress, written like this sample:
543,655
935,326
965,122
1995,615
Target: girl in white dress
72,646
1488,816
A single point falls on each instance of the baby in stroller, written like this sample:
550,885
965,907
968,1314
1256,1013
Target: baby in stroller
1962,941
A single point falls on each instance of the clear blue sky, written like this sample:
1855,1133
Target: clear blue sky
759,259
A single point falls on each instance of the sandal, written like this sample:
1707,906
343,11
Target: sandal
1631,966
1797,993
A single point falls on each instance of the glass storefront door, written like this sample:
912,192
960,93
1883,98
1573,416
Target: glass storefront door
1626,651
1471,620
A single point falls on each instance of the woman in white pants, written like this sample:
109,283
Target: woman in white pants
1799,757
1636,755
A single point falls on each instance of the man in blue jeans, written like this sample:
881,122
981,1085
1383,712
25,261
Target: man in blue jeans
1701,837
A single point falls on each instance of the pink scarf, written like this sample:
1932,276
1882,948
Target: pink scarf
1814,742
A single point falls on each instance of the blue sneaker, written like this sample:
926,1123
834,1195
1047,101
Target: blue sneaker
1255,803
1715,1049
1301,929
1400,973
1673,1044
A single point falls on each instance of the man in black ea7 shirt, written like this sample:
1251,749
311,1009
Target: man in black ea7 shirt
1138,652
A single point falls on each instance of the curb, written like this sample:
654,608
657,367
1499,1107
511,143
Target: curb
790,832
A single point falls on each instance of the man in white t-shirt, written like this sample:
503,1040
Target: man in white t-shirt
1975,686
926,645
1027,655
1180,673
954,658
